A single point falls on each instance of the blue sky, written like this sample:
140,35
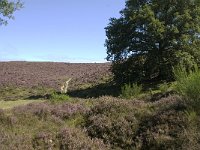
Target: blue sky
61,30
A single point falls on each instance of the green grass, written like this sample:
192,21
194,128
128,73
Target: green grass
129,91
188,86
11,104
15,93
59,97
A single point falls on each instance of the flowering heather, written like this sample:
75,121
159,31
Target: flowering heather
115,121
44,110
49,74
67,110
10,141
75,139
43,140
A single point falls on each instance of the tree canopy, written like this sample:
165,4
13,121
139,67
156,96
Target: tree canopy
7,8
151,37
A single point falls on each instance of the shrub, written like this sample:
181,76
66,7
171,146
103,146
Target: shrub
2,114
191,135
10,141
76,139
43,140
67,110
115,121
45,110
56,97
8,120
188,85
161,131
129,91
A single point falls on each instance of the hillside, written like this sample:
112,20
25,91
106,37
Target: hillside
51,74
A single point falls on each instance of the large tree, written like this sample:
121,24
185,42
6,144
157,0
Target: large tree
7,8
151,37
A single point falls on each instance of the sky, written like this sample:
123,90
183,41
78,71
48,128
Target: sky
59,31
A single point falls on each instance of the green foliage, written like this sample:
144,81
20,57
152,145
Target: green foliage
12,104
77,120
191,116
164,87
57,97
131,90
7,9
188,85
191,134
151,37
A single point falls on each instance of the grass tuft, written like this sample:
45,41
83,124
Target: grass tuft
129,91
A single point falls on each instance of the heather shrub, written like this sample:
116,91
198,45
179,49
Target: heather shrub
67,110
168,127
2,114
8,120
75,139
41,110
11,141
44,111
190,137
115,121
43,140
129,91
188,85
161,131
168,103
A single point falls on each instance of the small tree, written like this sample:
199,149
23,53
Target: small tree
151,37
7,8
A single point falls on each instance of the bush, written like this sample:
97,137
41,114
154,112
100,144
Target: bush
115,121
45,110
161,131
43,140
129,91
56,97
76,139
188,85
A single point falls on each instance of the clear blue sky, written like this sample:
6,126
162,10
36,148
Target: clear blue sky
61,30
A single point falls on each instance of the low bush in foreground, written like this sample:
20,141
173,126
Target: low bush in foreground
102,123
67,139
115,121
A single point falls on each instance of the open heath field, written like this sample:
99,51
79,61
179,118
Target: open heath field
94,113
51,74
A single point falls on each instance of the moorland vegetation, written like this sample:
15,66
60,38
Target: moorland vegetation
151,100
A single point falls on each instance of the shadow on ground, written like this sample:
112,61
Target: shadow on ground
35,97
104,89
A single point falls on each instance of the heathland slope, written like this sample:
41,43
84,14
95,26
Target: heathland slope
51,74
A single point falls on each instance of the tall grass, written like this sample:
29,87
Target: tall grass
188,85
129,91
164,87
56,97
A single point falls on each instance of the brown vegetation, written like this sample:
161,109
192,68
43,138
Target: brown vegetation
51,74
